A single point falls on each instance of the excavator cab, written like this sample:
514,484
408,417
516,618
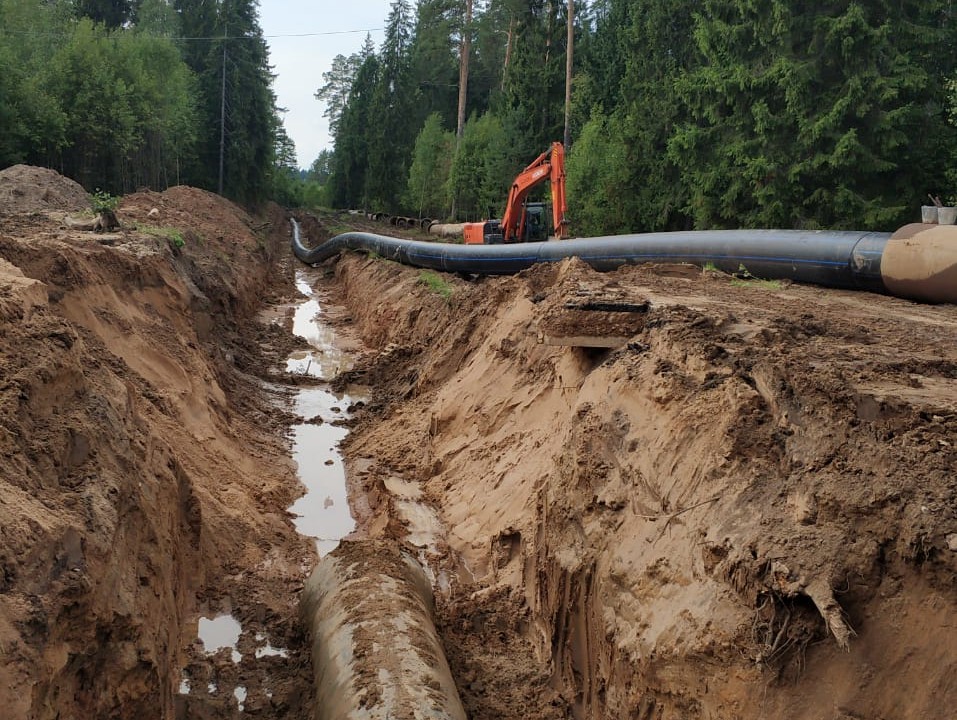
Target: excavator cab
535,222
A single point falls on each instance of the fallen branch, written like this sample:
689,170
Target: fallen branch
672,516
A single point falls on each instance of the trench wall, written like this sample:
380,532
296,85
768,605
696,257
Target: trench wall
116,412
711,521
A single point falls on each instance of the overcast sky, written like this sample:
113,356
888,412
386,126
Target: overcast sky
299,62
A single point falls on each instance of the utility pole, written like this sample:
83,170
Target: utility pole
568,74
465,51
222,114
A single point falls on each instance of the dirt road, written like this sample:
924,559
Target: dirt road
746,509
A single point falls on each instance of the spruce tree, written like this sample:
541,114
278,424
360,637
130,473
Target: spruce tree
351,156
814,116
391,136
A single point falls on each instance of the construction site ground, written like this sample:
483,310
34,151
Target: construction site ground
746,507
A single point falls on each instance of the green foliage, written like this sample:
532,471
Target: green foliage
429,173
433,61
823,119
288,188
597,170
337,84
391,135
481,173
532,107
172,235
32,119
743,278
127,104
102,202
437,284
350,162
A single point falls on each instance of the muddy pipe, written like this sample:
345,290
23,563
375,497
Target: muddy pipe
918,262
376,654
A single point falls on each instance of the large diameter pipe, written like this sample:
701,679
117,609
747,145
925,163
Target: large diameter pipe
839,259
920,263
376,654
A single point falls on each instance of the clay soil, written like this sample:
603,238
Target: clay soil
744,510
144,471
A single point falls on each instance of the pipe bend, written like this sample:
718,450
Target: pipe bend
917,262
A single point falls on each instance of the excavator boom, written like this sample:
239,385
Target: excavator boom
513,227
550,164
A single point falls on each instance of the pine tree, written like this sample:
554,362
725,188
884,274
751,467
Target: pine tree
432,60
532,107
351,158
238,115
337,84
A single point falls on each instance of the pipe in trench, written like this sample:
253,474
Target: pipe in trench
917,262
368,601
368,607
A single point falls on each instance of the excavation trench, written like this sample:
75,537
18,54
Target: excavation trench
368,606
712,519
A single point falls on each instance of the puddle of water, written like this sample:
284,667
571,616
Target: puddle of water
325,360
323,512
220,632
184,686
212,689
268,650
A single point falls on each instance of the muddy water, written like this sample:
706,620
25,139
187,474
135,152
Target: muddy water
323,512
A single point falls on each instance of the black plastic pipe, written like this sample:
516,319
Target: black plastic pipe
837,259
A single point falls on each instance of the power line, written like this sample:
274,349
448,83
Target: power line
32,33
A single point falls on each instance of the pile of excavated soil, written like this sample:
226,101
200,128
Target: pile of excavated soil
747,510
144,477
27,189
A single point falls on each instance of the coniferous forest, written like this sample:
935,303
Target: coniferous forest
121,94
704,114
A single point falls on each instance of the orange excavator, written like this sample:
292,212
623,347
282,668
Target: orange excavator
526,221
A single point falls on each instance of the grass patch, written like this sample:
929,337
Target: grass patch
173,236
743,278
437,284
709,267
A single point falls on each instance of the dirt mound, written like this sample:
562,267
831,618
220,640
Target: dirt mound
745,510
28,189
145,479
205,215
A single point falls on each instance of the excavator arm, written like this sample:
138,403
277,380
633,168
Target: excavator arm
550,164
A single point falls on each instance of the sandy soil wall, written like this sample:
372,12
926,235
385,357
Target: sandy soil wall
140,479
745,511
